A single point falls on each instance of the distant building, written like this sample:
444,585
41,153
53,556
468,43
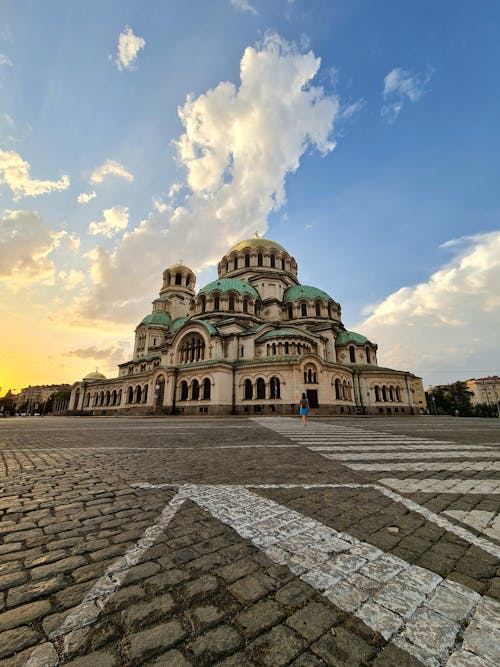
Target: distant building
250,342
485,390
31,399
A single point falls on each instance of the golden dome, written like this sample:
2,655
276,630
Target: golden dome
256,242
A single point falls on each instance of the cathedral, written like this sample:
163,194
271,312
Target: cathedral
249,343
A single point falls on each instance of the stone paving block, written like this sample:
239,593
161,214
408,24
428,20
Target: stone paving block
237,660
237,569
199,589
253,587
215,644
12,579
205,616
313,620
140,645
259,617
173,658
60,566
124,597
393,656
24,614
30,592
343,649
276,648
96,659
295,594
15,640
308,660
138,614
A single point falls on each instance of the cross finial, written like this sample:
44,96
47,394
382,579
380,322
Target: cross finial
257,235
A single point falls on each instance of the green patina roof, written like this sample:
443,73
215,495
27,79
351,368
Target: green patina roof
183,321
158,317
228,285
178,323
210,327
305,291
281,333
345,337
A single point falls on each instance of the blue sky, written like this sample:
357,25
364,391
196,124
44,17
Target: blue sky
399,221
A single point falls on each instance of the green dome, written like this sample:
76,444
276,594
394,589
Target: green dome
158,317
282,333
179,322
229,285
345,337
256,242
304,291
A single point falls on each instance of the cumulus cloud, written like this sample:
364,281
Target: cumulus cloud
15,173
244,6
25,245
239,144
71,279
94,352
5,60
129,46
115,221
85,197
110,168
451,321
400,86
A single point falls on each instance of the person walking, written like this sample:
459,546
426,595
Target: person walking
304,409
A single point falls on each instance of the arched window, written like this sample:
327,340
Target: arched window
216,303
119,397
303,310
77,399
235,262
345,392
290,311
287,347
195,390
108,397
398,394
206,389
384,393
337,389
283,263
261,388
96,398
231,303
184,390
377,392
178,279
273,261
247,260
191,348
245,305
145,393
318,310
87,402
275,387
330,311
203,303
309,376
274,349
260,260
352,354
113,397
101,398
391,393
130,395
367,352
248,389
187,281
257,308
138,394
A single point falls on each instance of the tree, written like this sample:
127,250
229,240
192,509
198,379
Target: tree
454,399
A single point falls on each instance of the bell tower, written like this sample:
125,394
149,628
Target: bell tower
177,291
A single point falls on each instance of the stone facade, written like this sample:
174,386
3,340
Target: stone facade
247,343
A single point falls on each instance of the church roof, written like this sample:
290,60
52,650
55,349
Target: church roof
158,317
306,292
229,285
256,242
282,333
95,375
179,322
345,337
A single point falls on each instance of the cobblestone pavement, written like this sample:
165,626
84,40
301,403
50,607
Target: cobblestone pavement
240,542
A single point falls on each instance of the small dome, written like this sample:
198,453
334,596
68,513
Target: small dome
158,317
229,285
256,242
345,337
305,291
95,375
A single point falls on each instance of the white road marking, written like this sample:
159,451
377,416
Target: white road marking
451,454
434,485
455,466
483,521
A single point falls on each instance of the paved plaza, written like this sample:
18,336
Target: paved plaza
238,542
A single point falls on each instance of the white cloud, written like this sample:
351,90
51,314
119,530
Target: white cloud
110,168
115,220
25,245
352,109
71,279
129,46
85,197
400,86
5,60
244,6
14,172
449,322
238,146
